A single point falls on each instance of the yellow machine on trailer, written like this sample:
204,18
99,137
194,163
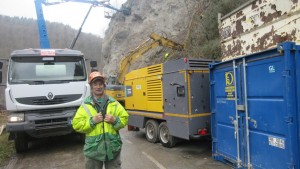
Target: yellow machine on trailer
115,86
170,100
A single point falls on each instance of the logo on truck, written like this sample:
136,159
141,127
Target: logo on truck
50,96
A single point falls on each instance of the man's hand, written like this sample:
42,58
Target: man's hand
109,119
98,118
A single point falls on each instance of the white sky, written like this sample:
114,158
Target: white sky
70,13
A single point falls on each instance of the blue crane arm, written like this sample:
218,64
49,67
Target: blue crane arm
100,3
44,40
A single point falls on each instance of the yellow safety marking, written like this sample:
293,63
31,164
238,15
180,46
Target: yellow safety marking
189,94
201,71
187,116
160,116
156,116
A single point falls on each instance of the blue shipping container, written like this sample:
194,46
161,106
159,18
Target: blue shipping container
255,104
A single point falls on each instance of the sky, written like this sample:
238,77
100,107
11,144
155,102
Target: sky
69,13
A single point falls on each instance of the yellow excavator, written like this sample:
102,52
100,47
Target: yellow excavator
114,87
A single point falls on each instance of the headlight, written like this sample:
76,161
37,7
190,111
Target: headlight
16,118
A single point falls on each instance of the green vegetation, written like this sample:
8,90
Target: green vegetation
203,38
6,147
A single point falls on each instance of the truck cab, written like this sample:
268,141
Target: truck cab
44,89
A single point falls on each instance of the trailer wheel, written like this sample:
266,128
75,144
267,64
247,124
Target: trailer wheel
21,142
164,136
152,131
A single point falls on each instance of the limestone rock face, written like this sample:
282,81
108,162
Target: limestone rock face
168,18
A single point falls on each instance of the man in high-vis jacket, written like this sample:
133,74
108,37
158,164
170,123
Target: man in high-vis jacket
100,117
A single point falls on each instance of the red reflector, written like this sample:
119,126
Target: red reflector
185,60
202,131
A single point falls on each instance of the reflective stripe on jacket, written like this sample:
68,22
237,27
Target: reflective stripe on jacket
103,141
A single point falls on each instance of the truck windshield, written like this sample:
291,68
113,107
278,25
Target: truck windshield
37,70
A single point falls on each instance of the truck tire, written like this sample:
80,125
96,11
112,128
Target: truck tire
21,142
164,136
81,138
152,131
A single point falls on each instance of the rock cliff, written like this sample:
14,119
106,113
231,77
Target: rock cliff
168,18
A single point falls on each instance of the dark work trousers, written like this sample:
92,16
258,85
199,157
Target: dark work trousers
95,164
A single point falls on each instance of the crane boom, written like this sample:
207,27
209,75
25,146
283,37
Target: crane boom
44,40
79,30
142,49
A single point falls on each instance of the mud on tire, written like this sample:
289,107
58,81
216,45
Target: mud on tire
164,136
151,130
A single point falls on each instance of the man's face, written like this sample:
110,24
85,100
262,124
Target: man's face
97,87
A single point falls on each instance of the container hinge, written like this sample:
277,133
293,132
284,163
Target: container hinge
240,107
286,73
289,120
291,166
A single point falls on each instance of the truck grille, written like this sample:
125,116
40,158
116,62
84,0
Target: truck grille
51,121
42,100
48,126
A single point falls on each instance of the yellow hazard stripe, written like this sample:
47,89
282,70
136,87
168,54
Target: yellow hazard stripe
146,114
160,116
187,116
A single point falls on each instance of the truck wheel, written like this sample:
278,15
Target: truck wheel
81,138
152,131
164,136
21,142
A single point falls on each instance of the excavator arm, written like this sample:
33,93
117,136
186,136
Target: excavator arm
153,42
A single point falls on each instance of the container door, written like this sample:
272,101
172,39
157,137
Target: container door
254,109
226,131
270,111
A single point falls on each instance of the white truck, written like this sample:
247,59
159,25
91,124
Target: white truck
46,86
44,89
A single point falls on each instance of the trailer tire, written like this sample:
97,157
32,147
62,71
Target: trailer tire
152,131
21,142
164,136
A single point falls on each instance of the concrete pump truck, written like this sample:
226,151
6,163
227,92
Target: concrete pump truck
45,86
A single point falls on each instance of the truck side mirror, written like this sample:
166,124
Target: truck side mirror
93,63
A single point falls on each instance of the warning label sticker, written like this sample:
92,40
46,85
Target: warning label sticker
276,142
229,85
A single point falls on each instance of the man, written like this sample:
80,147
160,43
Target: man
100,117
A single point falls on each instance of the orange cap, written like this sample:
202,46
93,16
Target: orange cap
95,75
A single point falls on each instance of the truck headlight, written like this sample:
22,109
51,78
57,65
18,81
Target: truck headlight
16,118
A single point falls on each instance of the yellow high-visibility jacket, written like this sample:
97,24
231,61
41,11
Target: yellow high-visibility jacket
102,141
